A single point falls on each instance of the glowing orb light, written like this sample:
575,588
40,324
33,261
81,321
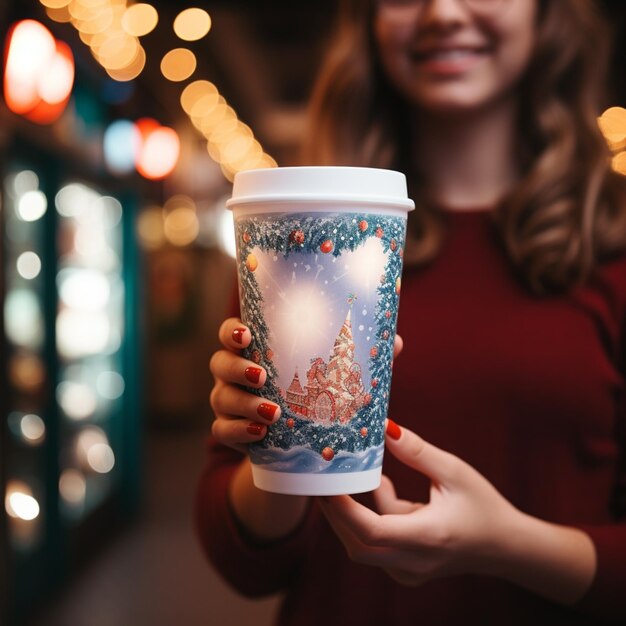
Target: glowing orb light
122,140
38,72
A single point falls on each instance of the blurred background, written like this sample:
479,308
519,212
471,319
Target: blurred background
121,127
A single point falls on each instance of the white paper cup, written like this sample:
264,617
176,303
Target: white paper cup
319,256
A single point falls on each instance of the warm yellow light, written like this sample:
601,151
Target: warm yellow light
236,149
193,92
98,23
192,24
130,71
181,226
118,51
619,163
204,105
178,201
140,19
178,64
61,15
210,119
19,501
55,4
228,172
226,128
72,486
214,151
613,126
150,228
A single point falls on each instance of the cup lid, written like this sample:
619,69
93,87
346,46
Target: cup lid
335,184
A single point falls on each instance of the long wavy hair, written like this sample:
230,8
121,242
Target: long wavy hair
567,213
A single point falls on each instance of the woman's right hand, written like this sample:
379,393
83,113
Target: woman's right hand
240,417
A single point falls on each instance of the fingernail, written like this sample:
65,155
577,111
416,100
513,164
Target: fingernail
267,411
393,430
253,374
255,428
238,335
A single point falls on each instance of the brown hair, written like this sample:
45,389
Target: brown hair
568,212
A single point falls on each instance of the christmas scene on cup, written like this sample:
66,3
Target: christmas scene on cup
320,293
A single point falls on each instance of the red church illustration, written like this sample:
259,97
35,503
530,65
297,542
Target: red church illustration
333,391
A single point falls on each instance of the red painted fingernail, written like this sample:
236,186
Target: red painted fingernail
393,430
238,335
266,410
253,374
255,428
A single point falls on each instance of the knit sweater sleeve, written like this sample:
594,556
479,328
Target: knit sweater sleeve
607,595
254,569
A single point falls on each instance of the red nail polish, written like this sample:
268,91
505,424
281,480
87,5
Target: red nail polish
238,335
267,411
253,374
255,428
393,430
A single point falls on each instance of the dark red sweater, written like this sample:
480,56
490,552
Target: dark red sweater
528,390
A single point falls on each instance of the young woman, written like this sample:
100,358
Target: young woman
512,508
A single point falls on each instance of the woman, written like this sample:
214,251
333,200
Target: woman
513,316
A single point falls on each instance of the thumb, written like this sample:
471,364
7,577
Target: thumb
440,466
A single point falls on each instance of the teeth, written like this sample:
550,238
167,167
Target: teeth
448,55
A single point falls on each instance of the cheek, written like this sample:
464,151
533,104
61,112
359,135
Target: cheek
393,43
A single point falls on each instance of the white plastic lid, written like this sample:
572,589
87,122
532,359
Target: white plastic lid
339,185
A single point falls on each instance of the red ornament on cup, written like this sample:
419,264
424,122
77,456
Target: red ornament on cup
296,236
326,246
363,226
328,454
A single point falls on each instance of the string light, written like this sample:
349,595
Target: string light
178,64
192,24
613,126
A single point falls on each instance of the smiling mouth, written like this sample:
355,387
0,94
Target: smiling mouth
448,54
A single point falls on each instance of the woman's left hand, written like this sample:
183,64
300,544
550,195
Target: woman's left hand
463,529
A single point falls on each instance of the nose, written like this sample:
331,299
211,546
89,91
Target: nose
444,12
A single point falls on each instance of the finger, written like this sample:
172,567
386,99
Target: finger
234,334
387,502
232,368
231,400
368,527
356,549
232,431
440,466
398,344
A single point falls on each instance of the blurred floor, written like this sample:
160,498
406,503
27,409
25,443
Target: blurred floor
154,573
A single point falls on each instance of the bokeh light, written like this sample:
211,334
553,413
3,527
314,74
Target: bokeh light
178,64
140,19
32,206
159,153
28,265
192,24
121,146
19,501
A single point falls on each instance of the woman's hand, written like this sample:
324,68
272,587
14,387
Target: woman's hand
468,527
240,417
